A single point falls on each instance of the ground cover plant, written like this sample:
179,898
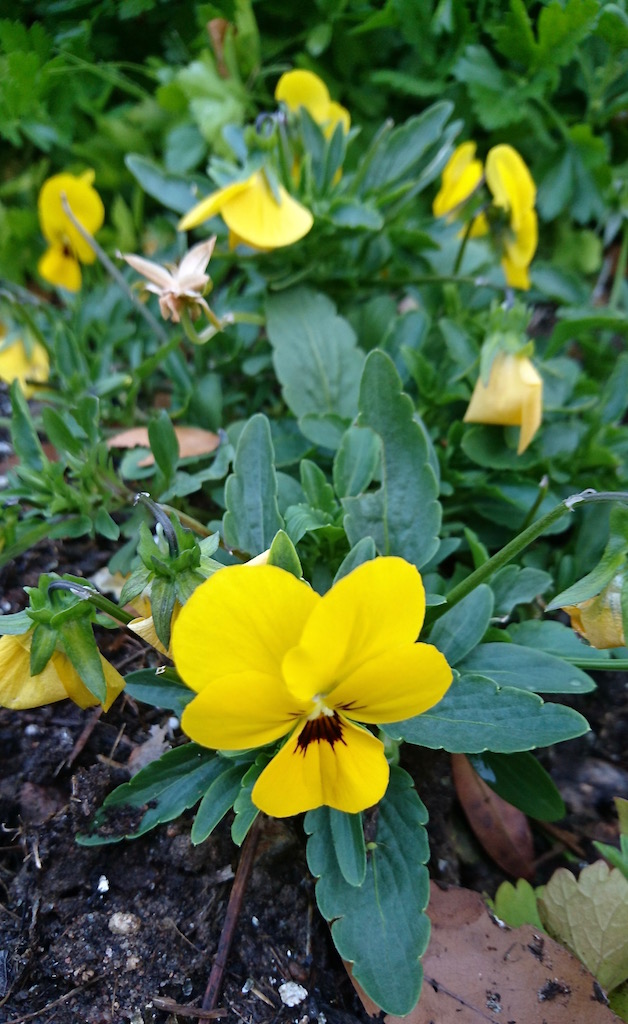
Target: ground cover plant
314,331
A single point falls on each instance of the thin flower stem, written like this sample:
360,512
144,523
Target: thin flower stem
543,489
98,600
463,245
234,905
113,271
519,543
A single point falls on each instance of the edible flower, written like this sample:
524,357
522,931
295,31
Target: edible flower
512,217
513,397
599,619
270,658
462,175
514,191
305,89
251,212
17,362
180,285
59,679
60,264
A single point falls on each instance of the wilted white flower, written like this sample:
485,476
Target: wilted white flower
178,285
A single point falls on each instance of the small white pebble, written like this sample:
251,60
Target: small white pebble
103,884
255,921
31,730
124,924
292,994
248,985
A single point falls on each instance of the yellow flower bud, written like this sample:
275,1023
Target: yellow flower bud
513,397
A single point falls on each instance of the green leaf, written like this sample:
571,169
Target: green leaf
590,917
43,645
526,669
356,461
15,624
363,551
218,799
379,926
517,905
80,646
315,354
162,791
245,810
60,434
513,585
618,858
463,626
161,689
318,492
554,638
521,781
252,517
164,444
174,192
348,839
407,149
403,517
513,34
163,594
283,554
23,434
561,27
476,715
105,525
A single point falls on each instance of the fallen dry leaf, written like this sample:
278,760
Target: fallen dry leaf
193,442
590,915
502,829
478,972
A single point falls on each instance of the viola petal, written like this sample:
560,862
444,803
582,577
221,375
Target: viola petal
350,775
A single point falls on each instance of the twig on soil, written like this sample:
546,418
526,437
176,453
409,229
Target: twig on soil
231,917
36,1014
81,741
170,1006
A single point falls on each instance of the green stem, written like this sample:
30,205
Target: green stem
98,600
113,272
463,245
519,543
543,489
620,270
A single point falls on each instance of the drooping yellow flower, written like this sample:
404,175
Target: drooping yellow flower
514,191
250,211
513,397
144,626
305,89
60,264
599,619
17,363
462,174
268,658
58,681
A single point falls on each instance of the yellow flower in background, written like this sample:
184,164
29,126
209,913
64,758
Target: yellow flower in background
305,89
268,658
514,191
513,397
250,211
58,681
599,619
462,175
60,264
22,364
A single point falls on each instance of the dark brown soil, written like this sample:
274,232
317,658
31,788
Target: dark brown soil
110,935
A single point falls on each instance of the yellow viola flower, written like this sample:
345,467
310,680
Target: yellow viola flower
58,681
514,191
599,619
462,175
250,211
268,657
305,89
144,627
60,264
18,363
513,397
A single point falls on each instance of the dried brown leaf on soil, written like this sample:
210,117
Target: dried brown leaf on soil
478,972
590,915
502,829
193,441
